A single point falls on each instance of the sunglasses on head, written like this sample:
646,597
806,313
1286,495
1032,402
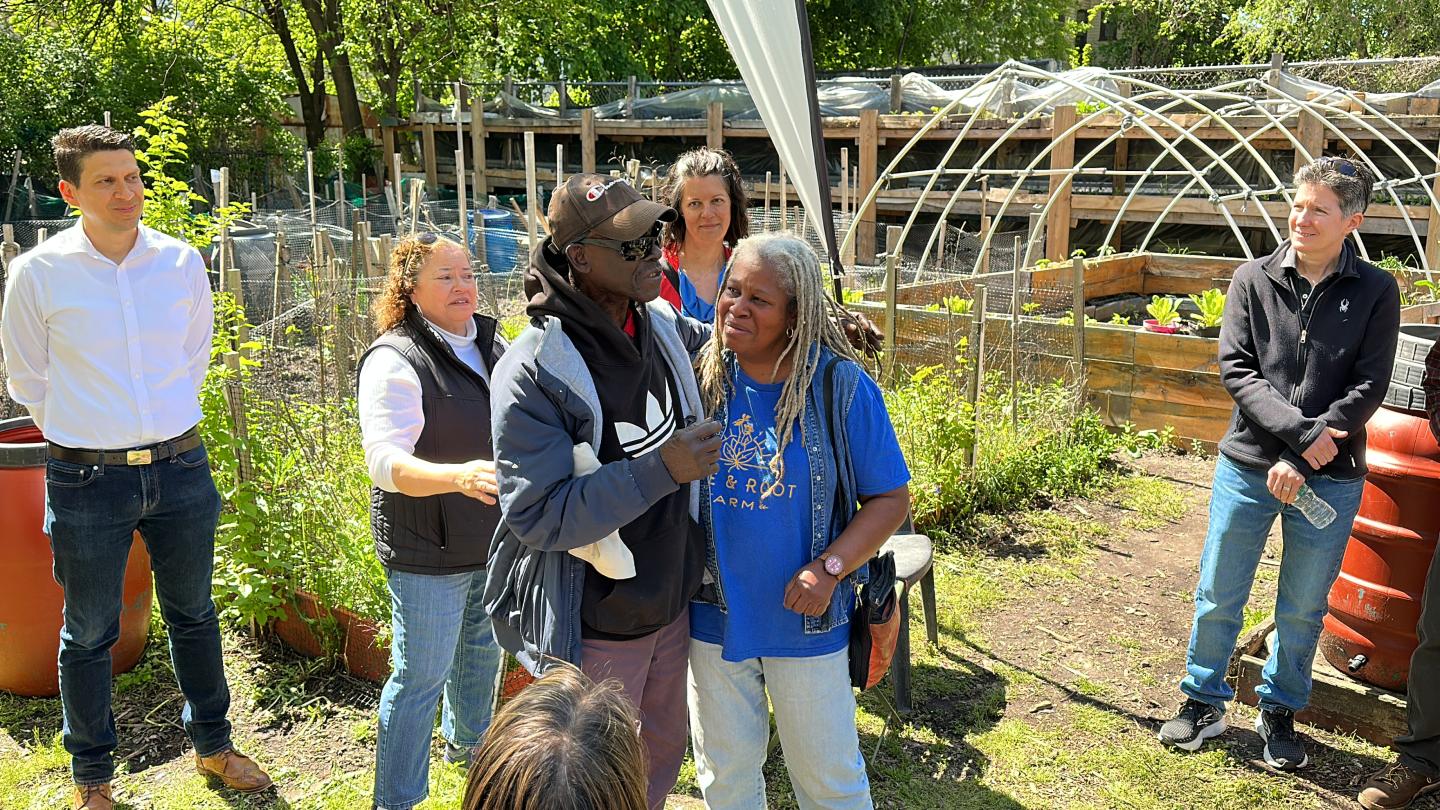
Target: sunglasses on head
1340,164
632,250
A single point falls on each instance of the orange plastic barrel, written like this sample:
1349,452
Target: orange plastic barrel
30,600
1375,604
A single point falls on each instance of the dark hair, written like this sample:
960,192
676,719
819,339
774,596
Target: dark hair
563,743
72,146
704,162
1351,180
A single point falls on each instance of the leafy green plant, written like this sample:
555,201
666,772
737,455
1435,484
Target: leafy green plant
361,155
1212,307
1164,310
851,296
160,145
1119,320
957,305
1044,264
1030,307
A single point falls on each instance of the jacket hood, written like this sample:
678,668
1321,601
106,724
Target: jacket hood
595,335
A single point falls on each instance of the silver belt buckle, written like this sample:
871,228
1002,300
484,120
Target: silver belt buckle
136,458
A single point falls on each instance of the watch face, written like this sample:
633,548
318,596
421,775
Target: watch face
833,565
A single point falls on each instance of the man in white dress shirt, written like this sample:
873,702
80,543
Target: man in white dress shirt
106,336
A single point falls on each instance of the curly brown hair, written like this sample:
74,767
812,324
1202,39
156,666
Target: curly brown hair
704,162
563,743
407,257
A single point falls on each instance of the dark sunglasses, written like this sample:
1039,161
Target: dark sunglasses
1340,164
632,251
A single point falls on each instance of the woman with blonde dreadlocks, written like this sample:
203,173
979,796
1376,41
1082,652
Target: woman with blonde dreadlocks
811,484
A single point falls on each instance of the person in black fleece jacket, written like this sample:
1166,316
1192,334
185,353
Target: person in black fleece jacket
1306,349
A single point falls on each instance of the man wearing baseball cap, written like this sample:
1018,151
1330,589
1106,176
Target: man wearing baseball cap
600,365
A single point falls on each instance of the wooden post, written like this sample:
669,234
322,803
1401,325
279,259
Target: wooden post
460,197
531,203
1035,237
344,348
387,147
10,190
432,170
282,255
1311,134
41,234
587,140
1015,337
891,312
1062,158
892,239
559,165
848,258
30,193
222,199
897,96
562,102
477,151
844,178
1077,282
766,219
715,125
943,227
784,199
416,187
977,367
235,402
631,97
310,182
395,192
869,157
1432,232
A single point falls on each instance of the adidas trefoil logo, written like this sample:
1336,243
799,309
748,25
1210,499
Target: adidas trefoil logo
637,440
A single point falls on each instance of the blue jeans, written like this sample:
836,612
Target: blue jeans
442,643
91,513
814,713
1241,513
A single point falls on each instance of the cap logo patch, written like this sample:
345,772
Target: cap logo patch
594,193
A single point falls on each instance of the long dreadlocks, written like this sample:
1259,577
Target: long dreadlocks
797,269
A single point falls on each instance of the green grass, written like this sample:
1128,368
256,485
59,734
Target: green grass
1153,502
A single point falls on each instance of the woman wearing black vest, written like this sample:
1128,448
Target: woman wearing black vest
424,404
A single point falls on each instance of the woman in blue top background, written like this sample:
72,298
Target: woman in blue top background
704,186
789,539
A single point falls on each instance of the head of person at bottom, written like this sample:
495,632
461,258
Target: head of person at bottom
563,743
431,276
1331,195
773,317
605,242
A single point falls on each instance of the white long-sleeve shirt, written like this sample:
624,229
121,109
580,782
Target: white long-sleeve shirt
391,416
108,356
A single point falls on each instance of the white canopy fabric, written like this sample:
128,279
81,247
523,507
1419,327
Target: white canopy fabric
771,48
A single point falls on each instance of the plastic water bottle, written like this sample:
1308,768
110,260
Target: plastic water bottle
1314,508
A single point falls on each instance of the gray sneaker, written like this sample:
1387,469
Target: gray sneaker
455,753
1283,749
1195,723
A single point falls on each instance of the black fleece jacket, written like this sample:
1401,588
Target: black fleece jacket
1291,378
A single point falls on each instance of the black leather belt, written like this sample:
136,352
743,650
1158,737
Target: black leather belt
139,456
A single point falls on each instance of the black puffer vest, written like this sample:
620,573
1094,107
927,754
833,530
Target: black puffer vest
450,533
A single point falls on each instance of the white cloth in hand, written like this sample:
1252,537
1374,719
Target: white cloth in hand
609,555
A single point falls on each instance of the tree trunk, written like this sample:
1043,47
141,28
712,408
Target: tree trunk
311,89
328,25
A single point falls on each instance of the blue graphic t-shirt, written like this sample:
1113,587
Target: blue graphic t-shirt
762,525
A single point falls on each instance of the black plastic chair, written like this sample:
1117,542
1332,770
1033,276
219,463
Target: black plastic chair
914,562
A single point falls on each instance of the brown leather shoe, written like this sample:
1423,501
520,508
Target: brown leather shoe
92,797
1396,787
235,770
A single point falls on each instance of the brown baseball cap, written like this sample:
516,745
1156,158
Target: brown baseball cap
607,207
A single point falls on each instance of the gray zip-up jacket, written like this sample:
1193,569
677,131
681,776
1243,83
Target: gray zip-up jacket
542,403
1291,379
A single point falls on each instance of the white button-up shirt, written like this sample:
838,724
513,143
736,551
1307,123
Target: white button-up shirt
107,356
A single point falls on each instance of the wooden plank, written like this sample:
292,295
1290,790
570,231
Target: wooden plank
387,148
477,149
715,124
1432,237
1337,703
869,149
432,168
1181,352
1199,388
1311,134
1189,421
1062,157
587,140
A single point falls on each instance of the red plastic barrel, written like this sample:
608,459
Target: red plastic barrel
30,600
1375,604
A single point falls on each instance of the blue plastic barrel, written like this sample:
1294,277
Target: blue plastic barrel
502,240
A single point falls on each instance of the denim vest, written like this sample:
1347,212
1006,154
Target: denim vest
823,446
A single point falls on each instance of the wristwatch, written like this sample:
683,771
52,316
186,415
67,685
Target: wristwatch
834,566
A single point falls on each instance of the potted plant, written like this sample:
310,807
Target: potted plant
1211,304
1164,315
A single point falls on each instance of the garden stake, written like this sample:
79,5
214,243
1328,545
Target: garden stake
1014,333
766,218
531,203
977,369
891,259
310,181
1077,284
10,190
